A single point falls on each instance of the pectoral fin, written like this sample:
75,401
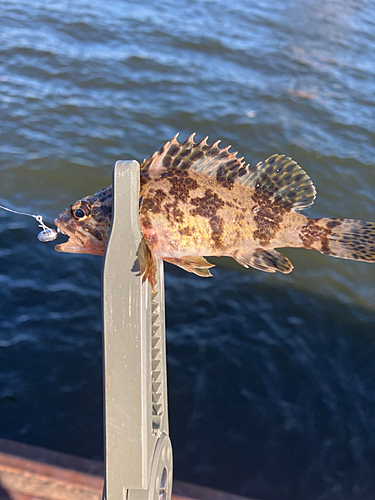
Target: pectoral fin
147,263
196,265
269,261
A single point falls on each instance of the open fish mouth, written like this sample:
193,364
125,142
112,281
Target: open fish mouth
76,242
80,240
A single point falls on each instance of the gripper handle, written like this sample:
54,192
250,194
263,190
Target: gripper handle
138,451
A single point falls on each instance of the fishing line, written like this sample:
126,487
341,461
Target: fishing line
48,234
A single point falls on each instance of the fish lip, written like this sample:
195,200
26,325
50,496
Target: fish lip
61,228
79,240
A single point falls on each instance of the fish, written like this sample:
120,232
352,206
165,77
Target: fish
197,200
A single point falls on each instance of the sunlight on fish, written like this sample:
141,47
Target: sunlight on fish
199,200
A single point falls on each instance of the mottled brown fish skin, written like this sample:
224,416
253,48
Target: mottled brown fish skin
186,213
198,200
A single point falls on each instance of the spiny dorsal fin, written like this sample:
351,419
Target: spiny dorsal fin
283,180
278,178
198,157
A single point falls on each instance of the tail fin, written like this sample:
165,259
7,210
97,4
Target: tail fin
342,238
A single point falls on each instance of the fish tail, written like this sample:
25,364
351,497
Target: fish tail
342,238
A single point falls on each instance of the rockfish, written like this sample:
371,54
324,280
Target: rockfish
199,200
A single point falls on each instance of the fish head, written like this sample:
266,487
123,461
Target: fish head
87,223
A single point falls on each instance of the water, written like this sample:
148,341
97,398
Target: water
271,378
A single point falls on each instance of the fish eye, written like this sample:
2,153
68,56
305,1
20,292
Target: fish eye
81,210
79,213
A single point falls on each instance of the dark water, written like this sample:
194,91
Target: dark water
271,378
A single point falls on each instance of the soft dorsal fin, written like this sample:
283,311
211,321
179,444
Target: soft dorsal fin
198,157
278,178
283,181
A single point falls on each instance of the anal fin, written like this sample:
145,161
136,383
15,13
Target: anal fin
191,264
269,261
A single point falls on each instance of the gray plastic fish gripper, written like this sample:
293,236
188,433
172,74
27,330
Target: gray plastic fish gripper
138,451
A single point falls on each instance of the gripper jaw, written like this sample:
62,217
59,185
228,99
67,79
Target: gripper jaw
137,445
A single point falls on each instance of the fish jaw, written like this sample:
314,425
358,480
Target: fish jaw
80,241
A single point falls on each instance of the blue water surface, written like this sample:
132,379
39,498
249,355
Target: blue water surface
271,378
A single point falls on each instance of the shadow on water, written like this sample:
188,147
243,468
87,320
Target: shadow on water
271,390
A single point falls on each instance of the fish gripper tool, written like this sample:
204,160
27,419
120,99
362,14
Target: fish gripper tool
138,451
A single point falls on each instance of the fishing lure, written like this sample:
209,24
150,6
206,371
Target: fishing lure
47,233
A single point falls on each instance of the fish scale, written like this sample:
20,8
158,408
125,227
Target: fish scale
199,200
